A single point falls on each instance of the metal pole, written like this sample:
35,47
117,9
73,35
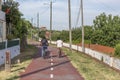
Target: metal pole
38,19
83,48
50,21
31,28
70,34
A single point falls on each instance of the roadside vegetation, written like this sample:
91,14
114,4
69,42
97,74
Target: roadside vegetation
16,68
91,69
117,50
104,31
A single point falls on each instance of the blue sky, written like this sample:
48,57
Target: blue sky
92,8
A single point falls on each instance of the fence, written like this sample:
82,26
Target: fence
12,45
107,59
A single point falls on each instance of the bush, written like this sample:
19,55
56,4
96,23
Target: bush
75,41
10,37
87,42
117,50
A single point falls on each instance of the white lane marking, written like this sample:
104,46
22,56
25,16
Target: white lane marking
51,69
51,59
51,75
51,63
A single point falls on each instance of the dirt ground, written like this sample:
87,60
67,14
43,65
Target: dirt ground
100,48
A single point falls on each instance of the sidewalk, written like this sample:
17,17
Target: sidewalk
53,68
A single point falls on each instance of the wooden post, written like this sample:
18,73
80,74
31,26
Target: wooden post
7,61
111,61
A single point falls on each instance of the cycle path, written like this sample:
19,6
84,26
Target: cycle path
53,68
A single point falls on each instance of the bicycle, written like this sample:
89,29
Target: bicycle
45,53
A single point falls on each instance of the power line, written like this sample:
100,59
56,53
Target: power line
78,16
44,11
106,6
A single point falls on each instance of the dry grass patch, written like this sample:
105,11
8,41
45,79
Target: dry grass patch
25,59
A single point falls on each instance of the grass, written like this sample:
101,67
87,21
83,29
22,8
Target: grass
91,69
16,68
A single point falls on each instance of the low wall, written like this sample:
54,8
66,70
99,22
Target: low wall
107,59
14,49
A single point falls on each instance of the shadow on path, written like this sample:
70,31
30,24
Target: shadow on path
27,74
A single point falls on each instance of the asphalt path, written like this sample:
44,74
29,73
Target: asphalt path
52,68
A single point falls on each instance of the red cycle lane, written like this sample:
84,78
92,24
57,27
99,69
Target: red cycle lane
53,68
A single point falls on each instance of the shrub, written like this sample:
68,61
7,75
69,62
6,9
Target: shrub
75,41
87,42
117,50
10,37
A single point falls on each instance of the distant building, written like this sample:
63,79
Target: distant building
2,26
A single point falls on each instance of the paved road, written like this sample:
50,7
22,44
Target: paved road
53,68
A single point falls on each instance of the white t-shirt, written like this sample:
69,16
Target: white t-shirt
59,43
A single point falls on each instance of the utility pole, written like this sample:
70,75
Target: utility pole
70,32
32,21
82,23
50,21
31,28
38,19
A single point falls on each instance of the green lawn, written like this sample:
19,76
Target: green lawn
25,58
91,69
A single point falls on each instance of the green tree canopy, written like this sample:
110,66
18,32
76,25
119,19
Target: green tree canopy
106,30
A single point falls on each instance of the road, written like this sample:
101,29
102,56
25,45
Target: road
53,68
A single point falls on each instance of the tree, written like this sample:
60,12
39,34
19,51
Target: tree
17,27
13,16
64,35
76,35
106,30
